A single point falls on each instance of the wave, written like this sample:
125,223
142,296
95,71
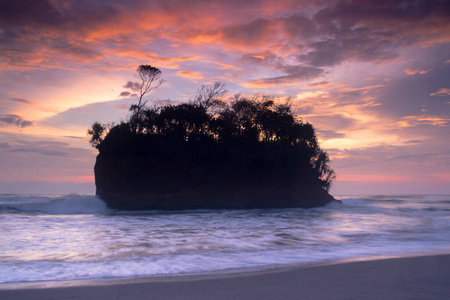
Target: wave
90,204
353,200
52,204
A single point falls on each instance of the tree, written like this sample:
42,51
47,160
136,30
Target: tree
150,79
322,167
97,133
210,96
256,134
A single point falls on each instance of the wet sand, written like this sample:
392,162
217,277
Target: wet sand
423,277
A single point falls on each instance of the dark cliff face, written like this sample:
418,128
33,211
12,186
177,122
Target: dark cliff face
145,182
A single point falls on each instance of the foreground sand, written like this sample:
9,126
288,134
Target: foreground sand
425,277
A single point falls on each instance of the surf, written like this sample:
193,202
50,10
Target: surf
52,204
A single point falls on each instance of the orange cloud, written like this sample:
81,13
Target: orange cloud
412,121
264,83
364,89
151,57
227,66
235,26
190,74
318,84
411,71
377,178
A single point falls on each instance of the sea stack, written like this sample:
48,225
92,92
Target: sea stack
176,181
248,153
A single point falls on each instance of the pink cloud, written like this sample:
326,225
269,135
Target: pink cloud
378,178
97,32
318,84
411,71
441,92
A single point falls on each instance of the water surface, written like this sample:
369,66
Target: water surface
76,237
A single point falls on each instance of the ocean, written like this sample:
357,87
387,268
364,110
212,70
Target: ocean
60,238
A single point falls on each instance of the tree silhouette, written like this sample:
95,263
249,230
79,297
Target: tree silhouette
150,79
210,96
250,133
97,133
251,142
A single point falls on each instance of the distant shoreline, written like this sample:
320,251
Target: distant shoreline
418,277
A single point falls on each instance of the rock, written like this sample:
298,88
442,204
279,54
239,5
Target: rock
249,153
145,182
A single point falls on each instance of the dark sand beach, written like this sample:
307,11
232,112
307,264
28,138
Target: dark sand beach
422,277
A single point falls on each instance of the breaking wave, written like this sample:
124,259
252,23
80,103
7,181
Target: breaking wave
52,204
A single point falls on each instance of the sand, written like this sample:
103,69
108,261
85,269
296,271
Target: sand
423,277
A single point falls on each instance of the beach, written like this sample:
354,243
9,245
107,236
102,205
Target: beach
422,277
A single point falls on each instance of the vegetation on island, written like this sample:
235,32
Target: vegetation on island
239,137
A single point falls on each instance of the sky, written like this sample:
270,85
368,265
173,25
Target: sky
371,76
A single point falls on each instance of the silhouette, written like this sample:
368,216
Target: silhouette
248,153
97,133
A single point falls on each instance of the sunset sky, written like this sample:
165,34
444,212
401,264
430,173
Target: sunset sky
372,76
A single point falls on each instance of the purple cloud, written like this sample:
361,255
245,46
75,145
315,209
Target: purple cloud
12,119
124,94
134,86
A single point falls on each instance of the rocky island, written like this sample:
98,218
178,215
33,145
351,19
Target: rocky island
209,154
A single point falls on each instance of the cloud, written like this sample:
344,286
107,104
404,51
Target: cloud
328,53
406,96
380,178
114,35
40,146
17,100
136,55
339,32
74,137
413,142
339,121
40,151
134,86
295,74
124,94
318,84
31,14
411,71
330,134
412,121
191,74
321,51
385,157
441,92
12,119
44,159
227,66
253,34
43,33
84,116
78,50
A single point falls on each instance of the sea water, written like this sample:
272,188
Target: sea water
76,237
